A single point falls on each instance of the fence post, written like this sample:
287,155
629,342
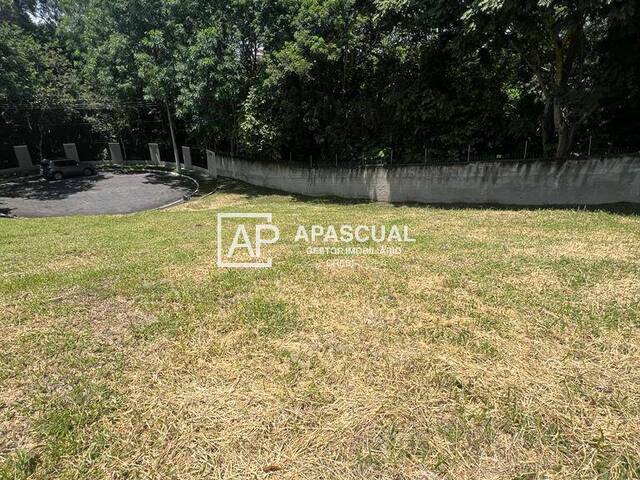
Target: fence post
212,166
71,151
336,160
590,139
23,156
154,152
526,147
186,157
116,153
468,153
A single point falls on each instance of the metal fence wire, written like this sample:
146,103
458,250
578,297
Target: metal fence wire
387,157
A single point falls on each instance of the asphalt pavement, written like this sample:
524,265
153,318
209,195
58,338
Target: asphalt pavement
101,194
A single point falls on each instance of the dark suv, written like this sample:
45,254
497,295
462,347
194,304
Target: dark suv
58,168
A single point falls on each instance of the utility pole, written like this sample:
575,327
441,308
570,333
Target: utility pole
173,136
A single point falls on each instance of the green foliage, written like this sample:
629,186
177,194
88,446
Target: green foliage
559,42
346,78
38,84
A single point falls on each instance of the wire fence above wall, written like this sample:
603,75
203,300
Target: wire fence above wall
429,157
387,157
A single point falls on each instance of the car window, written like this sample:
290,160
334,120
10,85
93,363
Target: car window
66,163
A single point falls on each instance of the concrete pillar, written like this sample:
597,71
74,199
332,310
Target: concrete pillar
115,151
212,167
23,156
71,151
154,150
186,157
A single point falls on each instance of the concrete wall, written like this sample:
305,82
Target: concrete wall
212,164
572,182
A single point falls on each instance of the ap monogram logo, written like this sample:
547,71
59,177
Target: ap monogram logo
241,238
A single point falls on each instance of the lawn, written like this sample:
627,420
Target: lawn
502,344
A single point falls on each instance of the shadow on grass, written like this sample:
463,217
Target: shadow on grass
224,185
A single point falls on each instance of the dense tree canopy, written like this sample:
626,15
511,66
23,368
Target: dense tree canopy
343,79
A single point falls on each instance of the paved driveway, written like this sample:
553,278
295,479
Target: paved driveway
105,193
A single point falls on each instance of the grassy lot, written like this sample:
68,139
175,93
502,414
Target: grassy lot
503,344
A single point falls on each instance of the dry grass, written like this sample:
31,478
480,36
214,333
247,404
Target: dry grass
502,345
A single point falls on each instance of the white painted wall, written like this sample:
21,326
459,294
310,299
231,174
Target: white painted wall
212,164
572,182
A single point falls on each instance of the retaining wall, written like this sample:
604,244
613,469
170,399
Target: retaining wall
570,182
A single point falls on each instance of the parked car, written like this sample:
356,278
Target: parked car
59,168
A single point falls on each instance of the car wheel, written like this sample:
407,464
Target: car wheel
57,176
87,172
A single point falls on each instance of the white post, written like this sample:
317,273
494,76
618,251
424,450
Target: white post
590,140
154,152
71,151
468,153
526,146
173,137
116,153
186,156
23,156
212,168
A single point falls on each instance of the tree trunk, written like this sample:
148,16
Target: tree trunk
563,143
173,137
565,130
544,125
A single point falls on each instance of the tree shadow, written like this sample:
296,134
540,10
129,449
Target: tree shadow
5,211
626,209
41,189
175,182
236,187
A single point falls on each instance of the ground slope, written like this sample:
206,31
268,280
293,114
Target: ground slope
503,344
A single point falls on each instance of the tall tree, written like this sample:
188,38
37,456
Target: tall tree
557,40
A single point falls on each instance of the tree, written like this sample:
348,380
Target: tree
557,40
38,85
